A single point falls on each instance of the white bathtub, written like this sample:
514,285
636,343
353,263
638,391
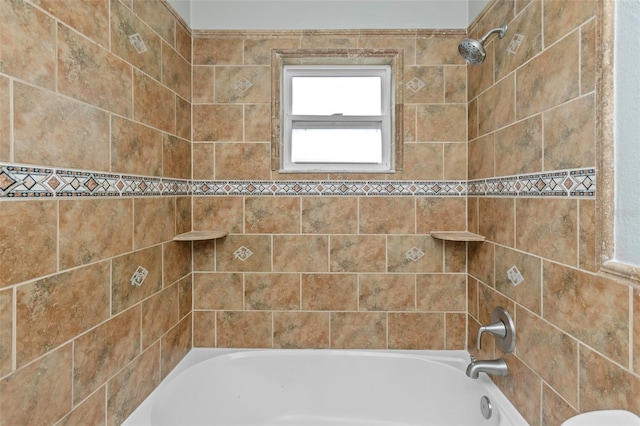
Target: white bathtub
321,388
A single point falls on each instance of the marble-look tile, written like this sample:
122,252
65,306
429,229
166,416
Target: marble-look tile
362,330
183,118
570,135
158,17
300,253
499,12
442,123
554,238
329,292
48,378
315,40
244,253
416,330
183,214
135,148
28,39
128,388
481,262
89,412
6,331
455,84
562,16
154,221
44,134
272,215
125,295
257,122
387,292
153,103
185,296
175,345
204,255
124,24
217,122
441,292
217,51
410,123
455,331
428,87
159,315
176,261
387,215
455,161
301,330
103,351
91,74
202,84
496,106
472,214
519,148
204,329
184,41
521,4
42,309
587,236
552,354
272,292
249,329
497,220
422,161
218,291
601,302
588,57
472,298
400,42
527,293
358,253
5,119
438,50
244,161
455,257
176,157
481,162
202,161
439,214
257,51
242,84
522,377
555,410
488,299
92,19
28,241
329,215
472,119
224,213
481,77
549,79
94,229
414,253
176,72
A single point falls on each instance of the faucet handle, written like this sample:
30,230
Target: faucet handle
502,327
497,328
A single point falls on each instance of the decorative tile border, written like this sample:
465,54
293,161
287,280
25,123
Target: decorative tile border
31,182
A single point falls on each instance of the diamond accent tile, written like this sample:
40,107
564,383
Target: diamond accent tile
242,85
415,84
242,253
414,254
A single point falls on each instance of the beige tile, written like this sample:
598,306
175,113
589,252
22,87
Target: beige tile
183,214
555,410
184,41
496,106
159,314
185,296
272,292
438,50
329,215
481,77
217,122
416,331
358,330
175,345
587,235
455,331
50,379
443,123
28,44
257,123
183,118
528,293
388,292
218,291
407,44
497,13
315,40
455,161
204,255
441,292
217,51
497,220
223,213
94,229
570,135
125,295
6,330
329,292
521,377
176,157
601,302
29,244
472,119
104,351
554,238
202,161
247,84
154,221
402,250
481,162
301,330
44,134
552,354
472,297
300,253
42,309
204,329
89,412
562,16
128,388
135,148
5,120
176,261
423,85
455,84
153,103
481,260
125,23
588,57
272,215
176,72
521,4
519,148
409,123
422,161
472,214
440,214
246,161
357,253
258,51
244,329
258,261
157,17
202,84
604,385
92,19
387,215
455,257
549,79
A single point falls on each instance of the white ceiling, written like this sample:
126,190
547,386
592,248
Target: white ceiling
327,14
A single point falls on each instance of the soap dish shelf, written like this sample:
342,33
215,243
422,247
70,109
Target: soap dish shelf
456,236
200,235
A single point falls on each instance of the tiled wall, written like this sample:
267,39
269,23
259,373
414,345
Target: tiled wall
532,111
78,343
353,270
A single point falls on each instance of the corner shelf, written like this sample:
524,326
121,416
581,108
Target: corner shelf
200,235
456,236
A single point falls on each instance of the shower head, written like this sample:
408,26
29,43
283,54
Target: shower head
473,50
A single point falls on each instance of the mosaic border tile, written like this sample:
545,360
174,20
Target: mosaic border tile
18,181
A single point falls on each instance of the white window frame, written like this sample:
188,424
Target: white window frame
385,121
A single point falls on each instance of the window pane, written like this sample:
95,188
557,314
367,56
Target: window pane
336,95
336,146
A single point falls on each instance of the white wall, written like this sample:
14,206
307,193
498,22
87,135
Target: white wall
183,7
627,132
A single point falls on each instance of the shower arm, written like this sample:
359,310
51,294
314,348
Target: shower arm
501,30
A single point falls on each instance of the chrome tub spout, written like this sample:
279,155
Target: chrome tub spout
496,367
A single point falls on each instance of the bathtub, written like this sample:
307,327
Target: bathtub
323,387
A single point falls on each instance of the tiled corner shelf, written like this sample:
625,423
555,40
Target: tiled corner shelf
456,236
200,235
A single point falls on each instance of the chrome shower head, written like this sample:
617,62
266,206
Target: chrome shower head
473,50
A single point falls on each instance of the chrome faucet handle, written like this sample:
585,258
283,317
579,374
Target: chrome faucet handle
502,327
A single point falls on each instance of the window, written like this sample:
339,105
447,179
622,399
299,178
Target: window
337,115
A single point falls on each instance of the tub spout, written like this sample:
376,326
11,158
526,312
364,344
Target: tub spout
496,367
